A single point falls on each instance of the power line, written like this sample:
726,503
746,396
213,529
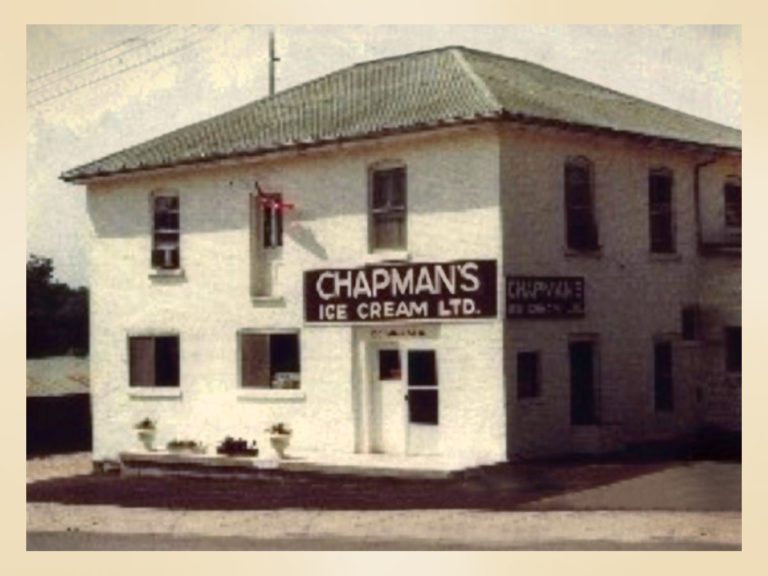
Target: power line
91,56
104,61
205,34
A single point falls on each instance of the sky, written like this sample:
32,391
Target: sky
94,90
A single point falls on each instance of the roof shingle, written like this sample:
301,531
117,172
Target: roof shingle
413,91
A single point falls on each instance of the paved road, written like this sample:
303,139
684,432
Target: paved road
79,541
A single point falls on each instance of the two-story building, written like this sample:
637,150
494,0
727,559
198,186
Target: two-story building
448,253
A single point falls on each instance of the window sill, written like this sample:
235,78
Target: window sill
154,392
167,273
270,395
382,256
595,253
665,257
267,300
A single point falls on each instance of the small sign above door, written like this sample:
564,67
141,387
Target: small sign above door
545,297
400,332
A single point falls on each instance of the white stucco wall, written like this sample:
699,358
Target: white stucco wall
452,214
632,296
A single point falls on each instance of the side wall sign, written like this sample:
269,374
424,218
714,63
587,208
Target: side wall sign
382,293
545,297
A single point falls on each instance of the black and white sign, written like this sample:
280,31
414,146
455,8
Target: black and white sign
394,293
545,297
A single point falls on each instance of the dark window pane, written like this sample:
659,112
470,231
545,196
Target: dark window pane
660,212
581,227
284,353
388,206
167,361
663,384
422,406
389,230
583,397
422,368
527,374
389,365
733,349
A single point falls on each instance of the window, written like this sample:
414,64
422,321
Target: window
266,212
165,232
388,209
153,361
581,226
732,193
270,360
660,211
733,349
662,377
422,387
584,408
690,320
527,374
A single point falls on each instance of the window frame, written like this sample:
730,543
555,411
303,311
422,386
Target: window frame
661,211
731,182
580,215
154,197
388,166
527,390
241,334
154,336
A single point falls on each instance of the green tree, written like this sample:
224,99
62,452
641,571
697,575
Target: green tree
57,315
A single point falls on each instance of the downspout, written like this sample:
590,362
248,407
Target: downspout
697,201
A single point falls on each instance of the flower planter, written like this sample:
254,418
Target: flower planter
147,439
279,444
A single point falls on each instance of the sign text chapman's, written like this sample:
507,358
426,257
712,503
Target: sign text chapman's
446,290
545,297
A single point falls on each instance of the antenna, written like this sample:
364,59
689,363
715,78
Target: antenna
272,60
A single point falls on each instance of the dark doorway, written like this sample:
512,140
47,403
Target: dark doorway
583,396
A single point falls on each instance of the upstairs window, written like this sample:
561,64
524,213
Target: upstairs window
732,194
271,219
660,211
153,361
166,232
388,209
580,222
270,360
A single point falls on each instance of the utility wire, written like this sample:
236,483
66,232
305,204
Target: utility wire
104,61
165,54
92,55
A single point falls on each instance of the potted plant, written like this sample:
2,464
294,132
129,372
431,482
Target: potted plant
146,430
185,447
237,447
279,438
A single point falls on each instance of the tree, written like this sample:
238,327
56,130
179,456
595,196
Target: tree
57,315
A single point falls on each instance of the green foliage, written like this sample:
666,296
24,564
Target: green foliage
57,315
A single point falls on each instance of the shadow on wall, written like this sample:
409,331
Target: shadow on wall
305,238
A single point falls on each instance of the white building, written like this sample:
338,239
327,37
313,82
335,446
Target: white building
449,252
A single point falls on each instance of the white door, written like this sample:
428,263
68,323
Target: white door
405,399
388,404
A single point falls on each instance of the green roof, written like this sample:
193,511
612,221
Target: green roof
411,92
